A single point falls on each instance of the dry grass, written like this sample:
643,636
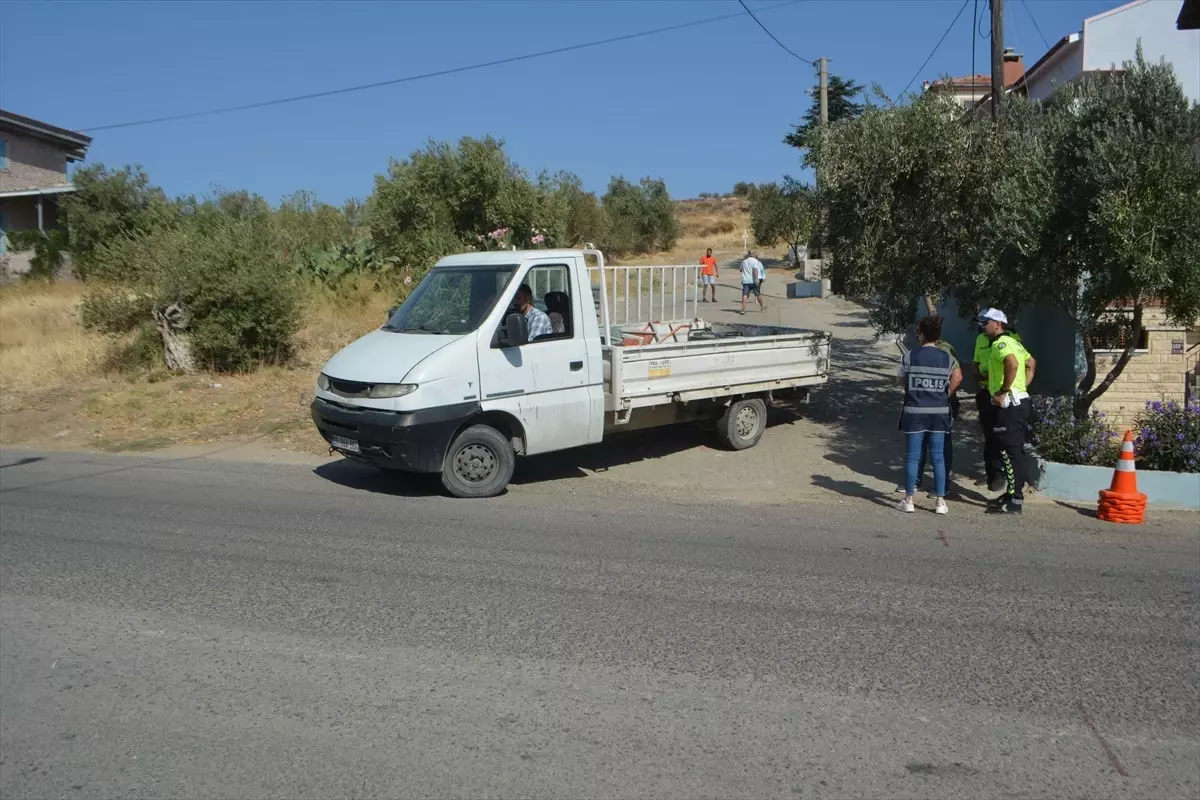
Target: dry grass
42,347
716,222
56,388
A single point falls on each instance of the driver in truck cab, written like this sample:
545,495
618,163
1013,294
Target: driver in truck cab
538,320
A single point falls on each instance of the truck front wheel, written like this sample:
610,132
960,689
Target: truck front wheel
742,423
479,463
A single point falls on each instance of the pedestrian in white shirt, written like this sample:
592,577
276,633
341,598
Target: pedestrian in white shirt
752,276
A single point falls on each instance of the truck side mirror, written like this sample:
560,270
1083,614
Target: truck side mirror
515,331
392,311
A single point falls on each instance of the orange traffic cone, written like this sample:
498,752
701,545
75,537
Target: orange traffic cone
1122,502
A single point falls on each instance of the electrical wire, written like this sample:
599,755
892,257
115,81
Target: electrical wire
1036,27
767,31
928,58
1013,19
422,76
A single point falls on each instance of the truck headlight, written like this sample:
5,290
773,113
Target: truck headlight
323,382
382,391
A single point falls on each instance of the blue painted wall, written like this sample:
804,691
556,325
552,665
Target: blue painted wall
1045,329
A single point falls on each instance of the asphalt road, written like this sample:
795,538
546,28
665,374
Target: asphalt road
210,629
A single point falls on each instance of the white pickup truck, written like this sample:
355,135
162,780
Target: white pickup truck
452,384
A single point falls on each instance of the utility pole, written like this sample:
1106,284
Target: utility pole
997,57
823,95
823,85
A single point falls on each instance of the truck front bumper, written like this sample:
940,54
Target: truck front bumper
413,441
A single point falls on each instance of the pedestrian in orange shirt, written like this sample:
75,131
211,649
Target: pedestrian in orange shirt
708,276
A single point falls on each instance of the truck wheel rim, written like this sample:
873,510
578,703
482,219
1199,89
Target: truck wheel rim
475,463
746,423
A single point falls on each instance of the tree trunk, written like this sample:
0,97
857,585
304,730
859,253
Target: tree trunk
1087,381
931,304
1083,397
172,322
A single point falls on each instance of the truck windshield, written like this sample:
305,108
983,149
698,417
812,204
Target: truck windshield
451,300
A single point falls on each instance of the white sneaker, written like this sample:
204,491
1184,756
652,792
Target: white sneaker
941,508
906,506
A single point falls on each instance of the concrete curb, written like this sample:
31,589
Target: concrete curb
1079,483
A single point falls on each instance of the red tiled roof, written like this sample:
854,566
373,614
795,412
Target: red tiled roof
965,81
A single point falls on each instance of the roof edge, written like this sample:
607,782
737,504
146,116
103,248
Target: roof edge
75,143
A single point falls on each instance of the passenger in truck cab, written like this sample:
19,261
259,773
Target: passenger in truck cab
538,320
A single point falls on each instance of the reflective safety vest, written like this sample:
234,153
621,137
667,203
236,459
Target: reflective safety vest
1004,346
982,343
926,372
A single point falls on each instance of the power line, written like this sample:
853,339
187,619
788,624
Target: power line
961,9
1016,36
1036,27
767,31
424,75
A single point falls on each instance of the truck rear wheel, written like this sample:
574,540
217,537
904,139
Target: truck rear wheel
479,463
742,423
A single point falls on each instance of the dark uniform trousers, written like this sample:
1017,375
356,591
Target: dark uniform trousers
993,464
1009,432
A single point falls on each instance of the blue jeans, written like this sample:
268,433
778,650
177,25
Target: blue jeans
948,449
937,454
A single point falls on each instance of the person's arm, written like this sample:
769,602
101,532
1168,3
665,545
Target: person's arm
1030,368
956,378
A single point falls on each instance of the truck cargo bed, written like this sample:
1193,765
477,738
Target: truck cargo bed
717,360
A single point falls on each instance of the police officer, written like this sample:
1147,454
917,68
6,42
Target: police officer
1010,368
993,465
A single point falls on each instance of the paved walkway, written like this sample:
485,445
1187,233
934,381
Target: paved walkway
841,447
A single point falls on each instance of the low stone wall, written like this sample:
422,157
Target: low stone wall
1083,484
808,289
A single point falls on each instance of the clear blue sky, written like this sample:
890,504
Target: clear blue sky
701,108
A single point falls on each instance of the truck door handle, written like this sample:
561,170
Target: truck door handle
576,366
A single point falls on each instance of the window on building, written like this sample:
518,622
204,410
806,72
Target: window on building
1114,332
3,153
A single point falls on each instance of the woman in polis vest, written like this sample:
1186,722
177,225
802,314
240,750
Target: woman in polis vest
930,377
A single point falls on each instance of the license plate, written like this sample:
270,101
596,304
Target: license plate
342,443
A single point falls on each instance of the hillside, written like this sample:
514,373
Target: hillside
716,222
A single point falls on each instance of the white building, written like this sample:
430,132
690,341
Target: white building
1108,40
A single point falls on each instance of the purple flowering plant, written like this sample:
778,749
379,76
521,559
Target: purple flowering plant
1058,436
1168,436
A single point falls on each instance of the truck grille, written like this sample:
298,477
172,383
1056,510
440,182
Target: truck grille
349,388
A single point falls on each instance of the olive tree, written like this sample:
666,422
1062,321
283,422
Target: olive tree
1123,225
444,198
1090,200
899,186
782,211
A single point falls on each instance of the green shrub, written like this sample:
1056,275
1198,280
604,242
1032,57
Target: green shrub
639,219
337,266
223,265
49,251
108,204
109,309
